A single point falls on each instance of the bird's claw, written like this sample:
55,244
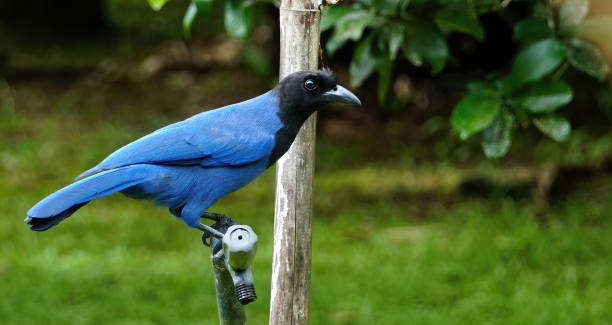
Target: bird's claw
206,239
222,222
217,229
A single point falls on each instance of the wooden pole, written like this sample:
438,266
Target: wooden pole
290,296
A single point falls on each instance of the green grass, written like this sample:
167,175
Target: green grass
393,242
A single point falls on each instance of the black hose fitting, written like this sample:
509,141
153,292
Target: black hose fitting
246,293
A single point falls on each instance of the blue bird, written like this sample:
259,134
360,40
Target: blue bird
189,165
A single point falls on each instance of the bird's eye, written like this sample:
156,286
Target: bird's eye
310,85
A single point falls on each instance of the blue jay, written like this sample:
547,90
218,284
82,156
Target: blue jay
189,165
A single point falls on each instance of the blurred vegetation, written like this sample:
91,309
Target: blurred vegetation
424,229
547,37
550,36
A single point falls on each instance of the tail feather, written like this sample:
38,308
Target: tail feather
89,172
42,224
63,203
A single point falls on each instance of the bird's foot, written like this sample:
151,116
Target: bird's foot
206,239
209,232
222,222
217,229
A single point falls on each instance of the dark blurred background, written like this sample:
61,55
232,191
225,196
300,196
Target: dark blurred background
425,229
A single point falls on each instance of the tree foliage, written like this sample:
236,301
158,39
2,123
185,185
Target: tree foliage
530,92
555,35
238,15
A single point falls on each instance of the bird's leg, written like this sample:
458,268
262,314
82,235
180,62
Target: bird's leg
209,232
217,230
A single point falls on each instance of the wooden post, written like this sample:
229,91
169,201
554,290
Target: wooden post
290,296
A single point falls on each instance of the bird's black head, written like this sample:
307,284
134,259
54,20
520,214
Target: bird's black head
303,92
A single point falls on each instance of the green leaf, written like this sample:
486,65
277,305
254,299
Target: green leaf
474,112
257,61
389,39
473,87
460,21
396,38
196,7
334,44
390,7
557,128
203,6
157,4
332,14
238,18
543,96
531,30
411,55
349,27
363,62
188,19
429,43
587,58
352,25
484,6
534,62
385,72
496,138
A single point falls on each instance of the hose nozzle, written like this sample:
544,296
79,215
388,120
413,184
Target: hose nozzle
239,247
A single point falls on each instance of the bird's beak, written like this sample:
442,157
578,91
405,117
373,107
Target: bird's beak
341,95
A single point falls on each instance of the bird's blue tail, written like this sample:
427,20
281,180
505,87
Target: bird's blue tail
63,203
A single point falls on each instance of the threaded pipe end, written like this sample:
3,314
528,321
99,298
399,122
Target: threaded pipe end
246,293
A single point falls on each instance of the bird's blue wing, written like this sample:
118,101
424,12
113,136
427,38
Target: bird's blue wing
205,139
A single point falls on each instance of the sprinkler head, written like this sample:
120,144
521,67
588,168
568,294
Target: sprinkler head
239,247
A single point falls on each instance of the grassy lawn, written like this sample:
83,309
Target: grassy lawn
394,242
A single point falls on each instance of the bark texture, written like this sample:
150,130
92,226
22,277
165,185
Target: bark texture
299,48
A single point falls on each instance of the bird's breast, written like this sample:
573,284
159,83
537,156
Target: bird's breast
283,139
